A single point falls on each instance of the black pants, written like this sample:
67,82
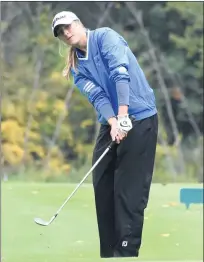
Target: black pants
121,186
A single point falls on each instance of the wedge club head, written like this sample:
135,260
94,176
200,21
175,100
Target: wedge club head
41,222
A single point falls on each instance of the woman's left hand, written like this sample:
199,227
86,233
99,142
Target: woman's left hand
124,124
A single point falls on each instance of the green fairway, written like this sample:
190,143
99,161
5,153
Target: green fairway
171,233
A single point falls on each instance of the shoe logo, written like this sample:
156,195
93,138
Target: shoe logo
124,243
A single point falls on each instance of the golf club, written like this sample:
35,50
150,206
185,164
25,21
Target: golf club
41,222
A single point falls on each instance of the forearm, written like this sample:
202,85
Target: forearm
122,89
107,112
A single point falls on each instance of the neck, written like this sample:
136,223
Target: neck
82,45
82,48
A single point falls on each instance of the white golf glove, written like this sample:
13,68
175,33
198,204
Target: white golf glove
124,123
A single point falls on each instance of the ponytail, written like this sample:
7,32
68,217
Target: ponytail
72,61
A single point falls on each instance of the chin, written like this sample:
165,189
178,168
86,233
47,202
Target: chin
73,42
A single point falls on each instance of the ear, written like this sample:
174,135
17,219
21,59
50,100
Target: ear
77,24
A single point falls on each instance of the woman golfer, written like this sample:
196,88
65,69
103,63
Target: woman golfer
105,70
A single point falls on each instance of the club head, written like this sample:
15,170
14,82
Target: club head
41,222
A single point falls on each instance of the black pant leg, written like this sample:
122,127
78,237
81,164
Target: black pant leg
132,178
103,182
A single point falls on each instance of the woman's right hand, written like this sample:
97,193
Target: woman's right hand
115,134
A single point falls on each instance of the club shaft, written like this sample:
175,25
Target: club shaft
85,177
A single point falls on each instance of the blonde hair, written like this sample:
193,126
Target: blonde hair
72,59
71,62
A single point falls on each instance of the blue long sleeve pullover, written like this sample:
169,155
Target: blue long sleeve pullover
108,66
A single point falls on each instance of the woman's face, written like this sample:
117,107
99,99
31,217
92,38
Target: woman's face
70,34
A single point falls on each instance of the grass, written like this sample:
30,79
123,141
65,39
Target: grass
171,233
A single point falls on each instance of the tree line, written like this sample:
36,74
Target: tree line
46,122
